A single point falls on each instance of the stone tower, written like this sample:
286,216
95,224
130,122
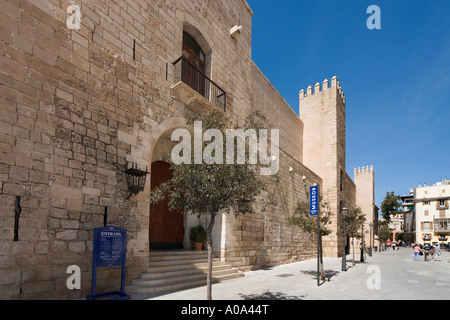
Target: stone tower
323,116
365,197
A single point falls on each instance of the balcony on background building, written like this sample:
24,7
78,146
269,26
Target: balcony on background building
195,89
442,225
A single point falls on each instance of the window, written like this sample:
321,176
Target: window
441,202
426,226
426,202
193,52
442,224
426,213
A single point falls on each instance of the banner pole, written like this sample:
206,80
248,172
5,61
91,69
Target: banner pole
318,249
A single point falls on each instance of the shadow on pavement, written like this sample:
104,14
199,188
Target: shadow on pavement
328,274
267,295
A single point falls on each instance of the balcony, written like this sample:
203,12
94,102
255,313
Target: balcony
195,89
442,225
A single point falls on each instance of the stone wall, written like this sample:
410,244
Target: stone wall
265,238
78,105
322,111
365,198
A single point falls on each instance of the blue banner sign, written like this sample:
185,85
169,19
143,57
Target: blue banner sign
314,201
109,250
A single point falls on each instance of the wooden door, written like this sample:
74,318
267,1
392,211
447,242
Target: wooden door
166,227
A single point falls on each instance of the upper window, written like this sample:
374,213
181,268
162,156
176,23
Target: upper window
192,50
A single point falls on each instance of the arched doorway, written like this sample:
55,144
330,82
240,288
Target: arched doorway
166,227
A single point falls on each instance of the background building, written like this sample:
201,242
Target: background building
432,214
408,212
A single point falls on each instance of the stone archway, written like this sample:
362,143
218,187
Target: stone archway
166,228
159,145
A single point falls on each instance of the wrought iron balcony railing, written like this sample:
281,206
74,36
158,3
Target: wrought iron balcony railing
194,78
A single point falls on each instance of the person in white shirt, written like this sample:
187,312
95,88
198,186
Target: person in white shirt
437,252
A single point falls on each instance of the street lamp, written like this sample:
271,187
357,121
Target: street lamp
371,229
344,212
362,243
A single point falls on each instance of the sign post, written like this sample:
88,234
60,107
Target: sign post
109,250
314,211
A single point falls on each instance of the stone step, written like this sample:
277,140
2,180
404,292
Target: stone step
178,255
174,263
184,276
181,266
164,253
153,273
171,271
177,286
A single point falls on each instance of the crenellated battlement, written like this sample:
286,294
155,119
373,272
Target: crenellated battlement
322,88
363,170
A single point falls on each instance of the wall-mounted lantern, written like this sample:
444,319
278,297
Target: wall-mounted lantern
135,179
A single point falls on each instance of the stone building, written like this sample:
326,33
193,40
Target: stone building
79,104
431,213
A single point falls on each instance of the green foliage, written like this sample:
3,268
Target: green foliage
391,205
384,233
198,234
208,189
404,236
212,188
354,221
307,223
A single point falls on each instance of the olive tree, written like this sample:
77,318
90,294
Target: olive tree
212,188
308,224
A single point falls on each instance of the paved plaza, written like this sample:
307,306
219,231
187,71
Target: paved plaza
388,275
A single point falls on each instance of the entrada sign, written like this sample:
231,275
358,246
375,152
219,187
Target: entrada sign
109,250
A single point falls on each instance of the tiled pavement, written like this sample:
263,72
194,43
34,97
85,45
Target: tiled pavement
388,275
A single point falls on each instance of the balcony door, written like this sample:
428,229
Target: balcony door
193,73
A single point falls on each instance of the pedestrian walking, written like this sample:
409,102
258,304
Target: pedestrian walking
416,252
426,252
432,253
437,252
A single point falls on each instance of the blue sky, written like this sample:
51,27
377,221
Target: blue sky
396,80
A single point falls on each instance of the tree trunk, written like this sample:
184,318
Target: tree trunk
210,252
353,245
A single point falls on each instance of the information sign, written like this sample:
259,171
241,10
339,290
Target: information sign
109,250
